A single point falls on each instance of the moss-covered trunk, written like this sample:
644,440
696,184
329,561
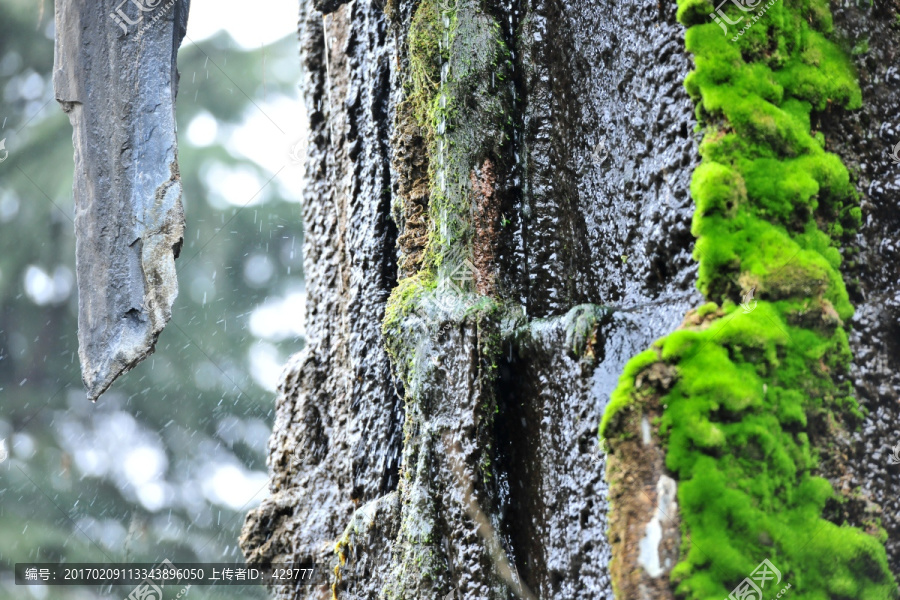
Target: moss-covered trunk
499,218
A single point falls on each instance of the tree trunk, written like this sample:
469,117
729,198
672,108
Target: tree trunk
498,218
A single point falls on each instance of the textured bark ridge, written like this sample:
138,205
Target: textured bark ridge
116,78
338,428
498,218
862,466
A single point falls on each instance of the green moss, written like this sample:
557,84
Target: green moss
707,309
771,210
470,46
426,54
470,114
403,299
624,393
465,118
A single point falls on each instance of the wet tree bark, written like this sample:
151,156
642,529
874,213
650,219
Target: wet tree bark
480,472
497,218
437,438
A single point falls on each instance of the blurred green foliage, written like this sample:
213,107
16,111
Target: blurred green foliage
194,407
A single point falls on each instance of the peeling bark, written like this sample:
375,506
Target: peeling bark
115,75
644,521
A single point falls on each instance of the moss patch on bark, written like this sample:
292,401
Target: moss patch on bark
442,317
458,97
767,357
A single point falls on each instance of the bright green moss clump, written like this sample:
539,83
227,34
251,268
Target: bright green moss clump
756,380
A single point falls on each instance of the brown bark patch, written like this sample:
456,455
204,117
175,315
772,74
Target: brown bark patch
410,161
487,228
694,320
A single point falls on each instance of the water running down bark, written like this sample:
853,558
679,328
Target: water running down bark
589,191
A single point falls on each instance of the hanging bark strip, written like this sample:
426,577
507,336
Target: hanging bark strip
115,76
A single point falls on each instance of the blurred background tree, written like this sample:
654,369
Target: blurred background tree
166,464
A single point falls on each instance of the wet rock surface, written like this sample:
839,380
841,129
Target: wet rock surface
865,140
